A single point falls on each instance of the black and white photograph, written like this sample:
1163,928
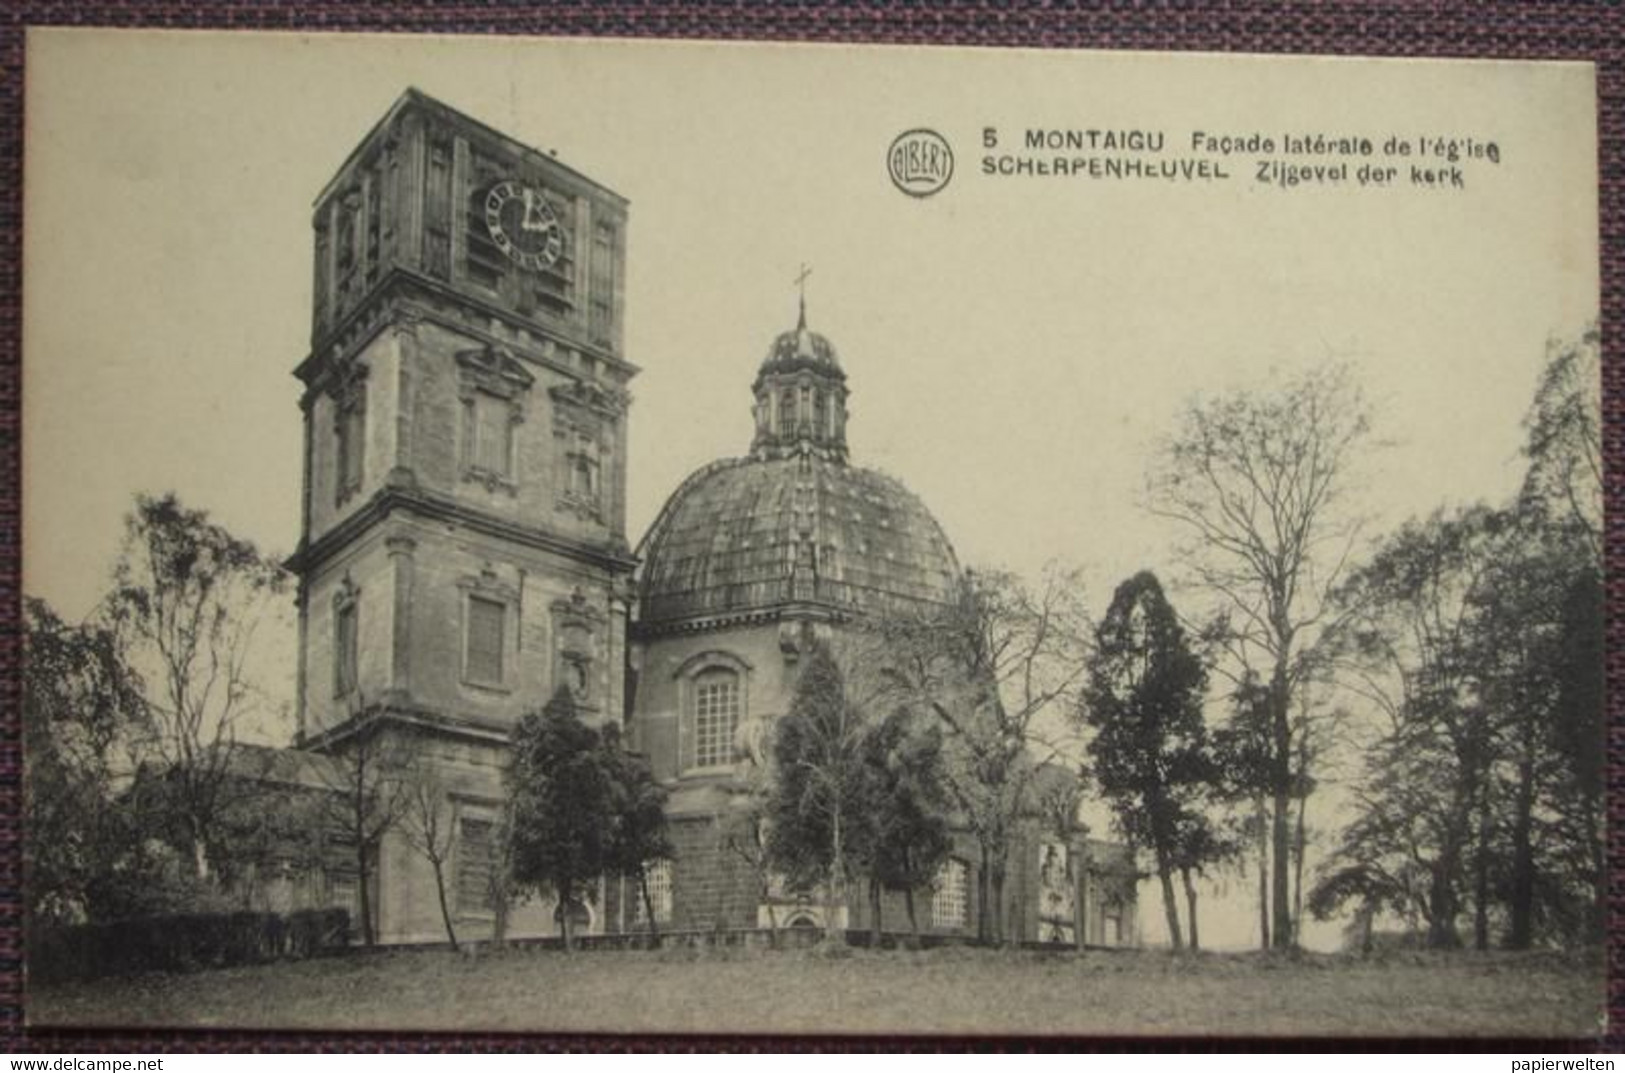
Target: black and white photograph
587,536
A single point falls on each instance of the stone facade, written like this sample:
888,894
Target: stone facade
463,552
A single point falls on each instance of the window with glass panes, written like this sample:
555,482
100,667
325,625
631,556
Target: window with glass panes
716,715
951,903
658,877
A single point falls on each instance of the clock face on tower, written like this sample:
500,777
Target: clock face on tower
523,225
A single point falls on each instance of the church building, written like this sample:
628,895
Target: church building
463,548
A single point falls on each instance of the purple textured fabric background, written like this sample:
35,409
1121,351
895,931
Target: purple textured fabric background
1571,31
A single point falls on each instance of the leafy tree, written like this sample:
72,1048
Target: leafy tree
817,796
638,813
1419,606
902,833
1258,483
1575,797
989,665
82,713
563,799
1562,488
187,599
1561,505
1541,647
1149,753
1198,843
1479,639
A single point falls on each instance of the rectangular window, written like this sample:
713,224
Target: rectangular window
488,435
583,477
716,714
475,845
345,645
602,316
486,630
950,904
350,431
658,876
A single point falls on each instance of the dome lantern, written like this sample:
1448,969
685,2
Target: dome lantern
800,395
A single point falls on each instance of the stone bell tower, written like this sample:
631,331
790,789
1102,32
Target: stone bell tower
463,550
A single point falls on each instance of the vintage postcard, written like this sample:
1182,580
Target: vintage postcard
568,535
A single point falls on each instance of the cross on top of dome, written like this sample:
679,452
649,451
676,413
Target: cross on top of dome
801,284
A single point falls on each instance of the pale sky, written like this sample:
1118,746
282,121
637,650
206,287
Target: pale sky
1013,344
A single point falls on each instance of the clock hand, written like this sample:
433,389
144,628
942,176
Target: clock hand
532,220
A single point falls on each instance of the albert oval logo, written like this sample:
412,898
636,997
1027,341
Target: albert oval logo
920,162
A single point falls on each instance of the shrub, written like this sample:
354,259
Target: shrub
182,942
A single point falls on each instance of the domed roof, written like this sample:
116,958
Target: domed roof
801,348
756,534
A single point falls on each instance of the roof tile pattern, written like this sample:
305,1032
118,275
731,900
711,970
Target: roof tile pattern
755,534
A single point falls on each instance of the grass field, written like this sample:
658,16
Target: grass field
938,991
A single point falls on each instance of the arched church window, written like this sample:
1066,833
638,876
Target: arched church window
818,413
713,695
716,716
787,411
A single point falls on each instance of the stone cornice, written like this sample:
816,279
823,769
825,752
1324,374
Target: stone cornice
392,300
414,99
800,611
412,714
617,559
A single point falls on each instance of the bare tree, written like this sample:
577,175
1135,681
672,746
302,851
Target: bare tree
994,666
1258,482
429,827
369,783
742,835
186,601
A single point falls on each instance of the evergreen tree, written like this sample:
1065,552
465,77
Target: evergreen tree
638,815
563,806
817,797
902,833
1149,754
